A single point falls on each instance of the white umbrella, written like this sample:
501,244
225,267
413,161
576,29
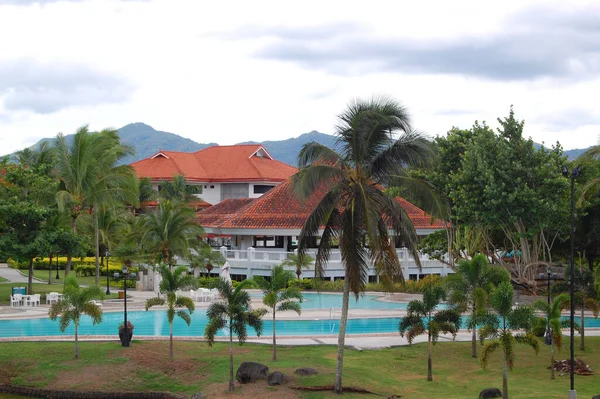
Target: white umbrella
225,272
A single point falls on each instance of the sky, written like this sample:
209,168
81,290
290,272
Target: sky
230,71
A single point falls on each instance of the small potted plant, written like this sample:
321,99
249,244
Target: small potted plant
125,334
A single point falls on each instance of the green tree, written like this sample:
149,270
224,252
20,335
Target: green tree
353,211
170,231
233,313
501,323
469,288
552,313
205,258
170,283
74,304
279,296
300,261
179,190
422,318
147,194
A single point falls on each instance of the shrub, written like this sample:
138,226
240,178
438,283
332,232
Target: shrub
539,326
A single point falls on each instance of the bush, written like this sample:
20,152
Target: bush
90,270
207,282
539,327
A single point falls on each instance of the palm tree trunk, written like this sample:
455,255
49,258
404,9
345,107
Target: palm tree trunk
50,269
231,386
504,382
429,368
69,256
342,336
171,339
274,342
552,360
76,339
97,243
582,331
30,278
474,342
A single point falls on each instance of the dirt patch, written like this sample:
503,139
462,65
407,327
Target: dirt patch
255,390
7,372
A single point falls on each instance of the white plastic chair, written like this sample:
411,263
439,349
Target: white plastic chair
193,295
99,304
51,297
16,300
35,300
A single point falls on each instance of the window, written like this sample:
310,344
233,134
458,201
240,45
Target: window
212,186
261,188
268,241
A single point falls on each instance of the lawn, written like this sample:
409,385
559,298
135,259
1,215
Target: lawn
197,367
38,288
84,280
3,280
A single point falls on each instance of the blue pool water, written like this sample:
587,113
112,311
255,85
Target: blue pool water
154,323
327,301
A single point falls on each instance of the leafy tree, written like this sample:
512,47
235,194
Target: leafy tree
300,261
232,313
90,176
353,210
552,313
74,304
205,258
170,283
179,190
279,296
469,288
422,318
501,323
147,194
170,231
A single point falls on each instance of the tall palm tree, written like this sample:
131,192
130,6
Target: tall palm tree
179,190
552,313
354,212
205,258
147,194
422,318
74,304
170,283
89,176
170,231
233,313
469,288
501,324
278,296
300,261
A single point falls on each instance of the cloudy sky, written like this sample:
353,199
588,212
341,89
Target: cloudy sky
230,71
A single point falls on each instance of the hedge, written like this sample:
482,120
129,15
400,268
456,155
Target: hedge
44,263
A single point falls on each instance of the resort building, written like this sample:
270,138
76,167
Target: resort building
221,172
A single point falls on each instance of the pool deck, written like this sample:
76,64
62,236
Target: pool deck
353,341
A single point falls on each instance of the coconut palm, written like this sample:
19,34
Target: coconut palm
422,318
205,258
179,190
300,261
279,296
169,232
89,176
501,323
171,282
232,313
552,313
469,288
352,210
147,194
74,304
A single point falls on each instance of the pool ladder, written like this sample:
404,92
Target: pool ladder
331,321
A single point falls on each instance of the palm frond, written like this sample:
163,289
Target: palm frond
487,351
150,302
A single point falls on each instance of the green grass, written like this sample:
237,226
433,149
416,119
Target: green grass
38,288
84,280
3,280
197,367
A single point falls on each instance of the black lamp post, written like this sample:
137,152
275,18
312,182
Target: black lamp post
107,258
57,276
125,342
548,275
576,172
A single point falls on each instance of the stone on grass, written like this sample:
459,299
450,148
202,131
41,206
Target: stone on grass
276,378
304,371
490,393
250,372
198,395
596,397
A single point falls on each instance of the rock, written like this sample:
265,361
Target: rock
304,371
198,395
276,378
490,393
596,397
250,372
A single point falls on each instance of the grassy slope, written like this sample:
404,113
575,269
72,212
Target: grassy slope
197,367
38,288
2,280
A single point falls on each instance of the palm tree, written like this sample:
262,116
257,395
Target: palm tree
278,296
170,283
300,261
170,231
74,304
552,313
500,323
233,313
353,210
179,190
205,258
147,194
422,318
89,176
469,288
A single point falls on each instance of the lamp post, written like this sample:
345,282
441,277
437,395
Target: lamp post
548,275
125,271
573,174
57,276
107,258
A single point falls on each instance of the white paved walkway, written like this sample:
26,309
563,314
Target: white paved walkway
14,276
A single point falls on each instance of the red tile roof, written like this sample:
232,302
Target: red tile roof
280,208
236,163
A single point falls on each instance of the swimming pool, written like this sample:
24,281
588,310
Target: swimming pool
313,300
154,323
